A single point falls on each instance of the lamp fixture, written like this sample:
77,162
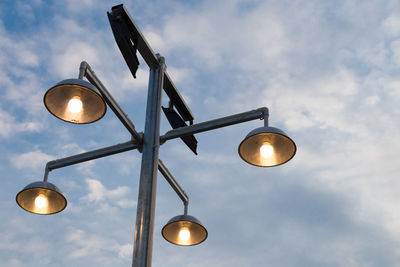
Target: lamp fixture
75,101
184,230
41,198
267,147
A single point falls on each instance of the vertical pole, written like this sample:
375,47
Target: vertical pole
143,244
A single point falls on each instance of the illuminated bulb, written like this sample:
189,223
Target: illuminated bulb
40,201
184,234
266,151
75,105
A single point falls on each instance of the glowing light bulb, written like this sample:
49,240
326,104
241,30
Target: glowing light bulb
266,150
75,105
40,201
184,234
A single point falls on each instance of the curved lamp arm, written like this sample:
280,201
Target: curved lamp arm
86,71
174,184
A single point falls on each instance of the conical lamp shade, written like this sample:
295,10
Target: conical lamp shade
184,230
75,101
267,147
41,198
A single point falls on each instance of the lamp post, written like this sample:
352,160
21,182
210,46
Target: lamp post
81,102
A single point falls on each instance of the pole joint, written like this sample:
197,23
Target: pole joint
161,59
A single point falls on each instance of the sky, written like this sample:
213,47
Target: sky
327,70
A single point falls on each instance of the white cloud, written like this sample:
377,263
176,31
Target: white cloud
85,244
11,242
31,160
98,193
125,251
395,46
213,33
14,263
394,85
372,100
20,51
96,190
66,62
118,192
154,39
27,58
6,124
98,246
20,84
391,25
178,75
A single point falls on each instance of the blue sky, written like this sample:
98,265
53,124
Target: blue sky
327,70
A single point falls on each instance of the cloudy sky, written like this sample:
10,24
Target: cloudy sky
329,71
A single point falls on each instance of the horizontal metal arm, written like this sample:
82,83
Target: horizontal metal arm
95,154
261,113
174,184
86,71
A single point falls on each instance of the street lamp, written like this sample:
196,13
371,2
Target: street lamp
79,101
41,198
75,101
267,147
184,230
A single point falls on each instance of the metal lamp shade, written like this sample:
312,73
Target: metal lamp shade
281,147
52,202
57,100
172,231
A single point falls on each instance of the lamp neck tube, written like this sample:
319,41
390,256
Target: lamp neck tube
265,116
46,173
82,69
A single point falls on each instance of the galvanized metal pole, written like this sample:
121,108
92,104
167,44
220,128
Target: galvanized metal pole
143,244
